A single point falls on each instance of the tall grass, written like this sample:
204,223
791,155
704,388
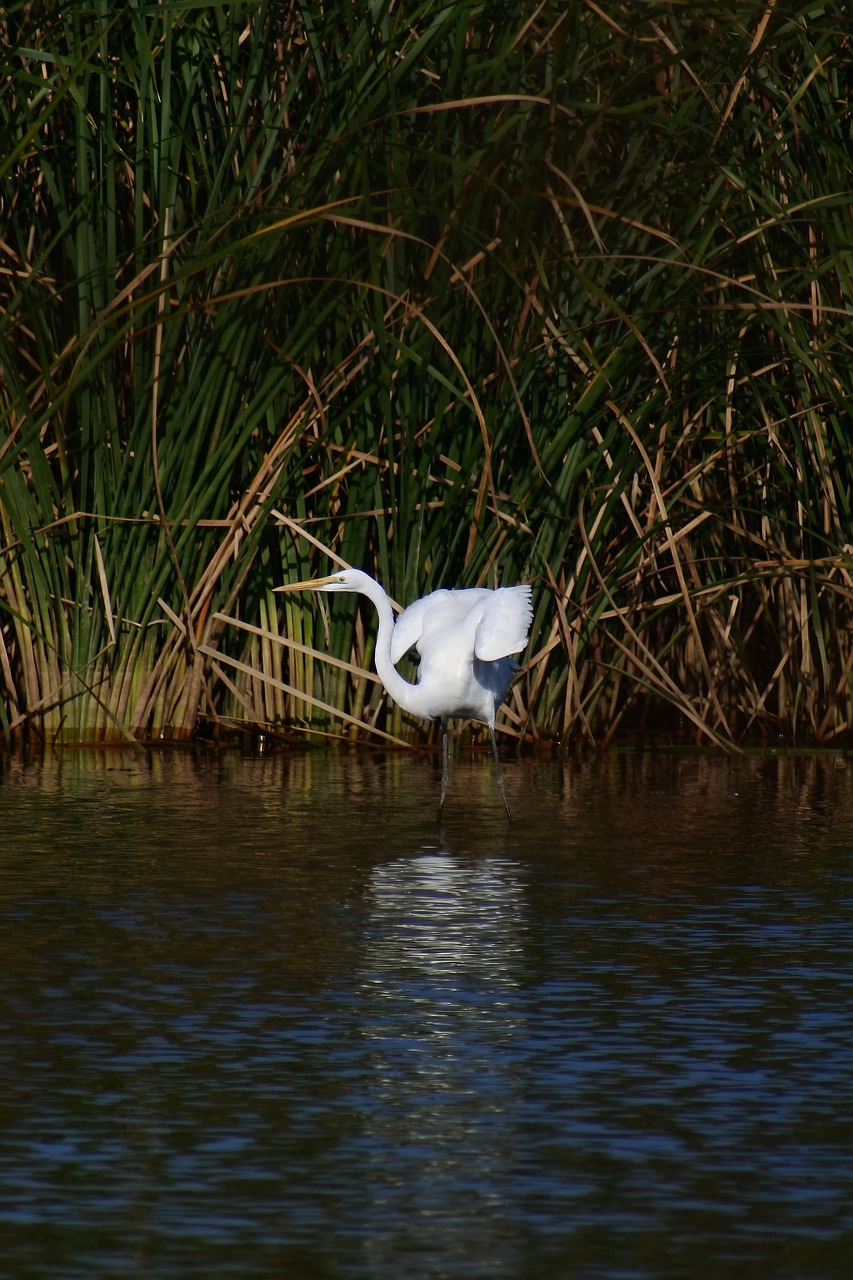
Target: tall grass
465,295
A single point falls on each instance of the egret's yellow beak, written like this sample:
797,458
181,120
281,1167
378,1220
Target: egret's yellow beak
312,584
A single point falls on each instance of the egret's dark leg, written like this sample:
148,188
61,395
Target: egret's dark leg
499,773
444,773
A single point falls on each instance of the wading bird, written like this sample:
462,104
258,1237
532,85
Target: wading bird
465,640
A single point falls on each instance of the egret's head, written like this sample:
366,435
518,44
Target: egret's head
343,580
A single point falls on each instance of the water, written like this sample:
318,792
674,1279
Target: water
258,1018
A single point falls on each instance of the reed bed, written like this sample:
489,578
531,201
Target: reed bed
555,292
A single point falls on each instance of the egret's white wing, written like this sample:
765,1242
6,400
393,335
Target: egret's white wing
408,628
505,623
437,618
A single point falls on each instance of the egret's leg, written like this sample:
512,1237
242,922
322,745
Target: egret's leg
444,771
499,773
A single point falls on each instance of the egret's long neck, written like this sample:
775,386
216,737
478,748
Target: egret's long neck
407,695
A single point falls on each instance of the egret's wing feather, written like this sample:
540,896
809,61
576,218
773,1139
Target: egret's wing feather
408,629
505,623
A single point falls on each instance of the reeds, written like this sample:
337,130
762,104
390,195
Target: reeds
473,295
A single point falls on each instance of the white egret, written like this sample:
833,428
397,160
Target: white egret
465,640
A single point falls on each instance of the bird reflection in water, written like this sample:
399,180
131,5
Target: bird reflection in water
446,919
442,1014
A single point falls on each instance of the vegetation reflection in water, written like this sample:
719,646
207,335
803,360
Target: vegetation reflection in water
259,1018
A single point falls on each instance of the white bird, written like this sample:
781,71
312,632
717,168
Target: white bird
465,640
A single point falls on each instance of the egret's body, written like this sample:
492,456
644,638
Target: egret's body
465,641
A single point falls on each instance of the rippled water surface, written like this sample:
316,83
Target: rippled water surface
258,1017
